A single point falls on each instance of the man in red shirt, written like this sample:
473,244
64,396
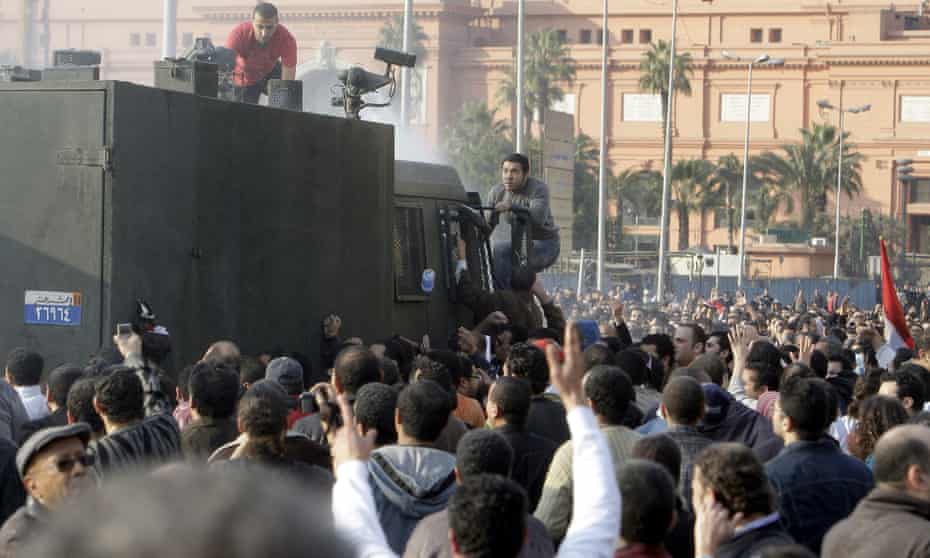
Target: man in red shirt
264,50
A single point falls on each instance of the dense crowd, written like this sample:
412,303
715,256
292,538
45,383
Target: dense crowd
719,427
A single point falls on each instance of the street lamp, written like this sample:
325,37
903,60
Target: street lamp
768,61
825,105
405,72
602,171
521,28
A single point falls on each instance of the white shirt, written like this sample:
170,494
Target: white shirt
592,533
35,403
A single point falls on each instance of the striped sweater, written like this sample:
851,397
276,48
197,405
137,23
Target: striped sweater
144,445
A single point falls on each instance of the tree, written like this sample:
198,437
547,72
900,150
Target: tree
391,35
476,144
653,69
767,198
584,200
546,65
859,235
810,167
693,191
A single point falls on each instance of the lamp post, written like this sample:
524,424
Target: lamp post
405,72
769,61
521,27
825,105
602,172
169,28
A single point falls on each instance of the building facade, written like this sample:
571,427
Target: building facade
849,52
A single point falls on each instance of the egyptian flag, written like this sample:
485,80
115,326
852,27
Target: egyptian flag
897,334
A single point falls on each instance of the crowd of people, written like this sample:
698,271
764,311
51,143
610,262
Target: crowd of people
720,428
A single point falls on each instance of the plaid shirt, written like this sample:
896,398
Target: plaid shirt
691,443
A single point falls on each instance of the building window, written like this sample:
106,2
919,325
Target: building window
187,40
645,36
600,36
135,39
915,108
920,191
585,36
775,35
562,34
150,40
626,36
755,35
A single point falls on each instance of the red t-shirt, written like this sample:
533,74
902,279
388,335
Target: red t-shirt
253,61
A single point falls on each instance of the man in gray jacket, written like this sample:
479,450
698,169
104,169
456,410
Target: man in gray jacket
519,191
412,479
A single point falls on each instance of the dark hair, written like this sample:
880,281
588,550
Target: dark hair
683,399
390,372
60,381
512,397
723,339
25,367
599,354
736,477
877,414
251,370
262,415
120,396
522,278
766,374
184,380
894,455
661,449
901,356
214,388
81,404
437,372
265,10
375,405
227,511
633,362
819,363
649,498
610,391
356,366
922,418
452,363
768,353
798,369
487,515
866,386
482,451
909,385
807,403
424,410
529,362
663,344
518,158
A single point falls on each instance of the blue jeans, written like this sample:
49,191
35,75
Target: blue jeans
544,254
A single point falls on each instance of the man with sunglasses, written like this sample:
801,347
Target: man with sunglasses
54,466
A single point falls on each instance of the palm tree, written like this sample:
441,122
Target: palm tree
391,35
810,169
693,191
546,66
476,143
584,200
653,69
767,198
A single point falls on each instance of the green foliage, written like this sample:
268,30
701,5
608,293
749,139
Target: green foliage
810,169
584,200
859,236
476,143
654,68
546,67
693,191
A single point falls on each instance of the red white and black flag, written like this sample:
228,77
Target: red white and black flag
897,335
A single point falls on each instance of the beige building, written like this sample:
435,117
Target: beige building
850,52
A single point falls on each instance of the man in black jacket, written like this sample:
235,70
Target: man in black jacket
730,486
508,408
547,415
214,390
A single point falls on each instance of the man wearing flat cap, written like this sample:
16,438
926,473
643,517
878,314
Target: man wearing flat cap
55,466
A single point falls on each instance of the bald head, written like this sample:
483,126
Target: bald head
902,458
225,352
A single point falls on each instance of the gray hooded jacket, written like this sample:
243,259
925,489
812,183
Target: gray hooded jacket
409,483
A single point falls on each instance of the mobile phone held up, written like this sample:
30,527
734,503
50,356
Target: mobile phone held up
123,330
